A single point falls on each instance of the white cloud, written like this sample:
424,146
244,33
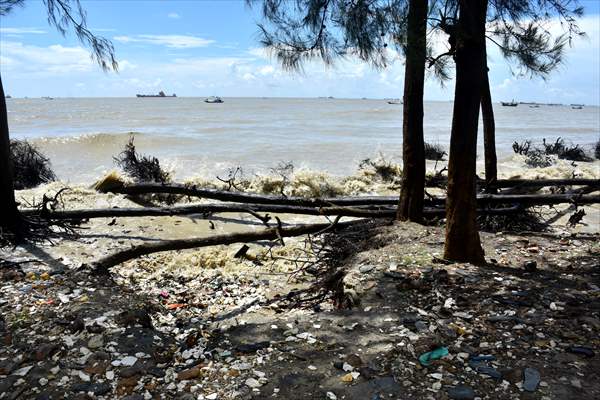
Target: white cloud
55,59
173,41
20,31
173,15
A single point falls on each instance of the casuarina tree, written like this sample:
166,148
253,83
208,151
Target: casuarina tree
298,30
519,29
65,16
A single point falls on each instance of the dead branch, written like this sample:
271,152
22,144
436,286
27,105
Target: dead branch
103,264
253,198
252,209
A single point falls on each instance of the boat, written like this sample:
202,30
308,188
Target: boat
509,103
160,94
394,101
213,100
8,96
577,107
534,106
47,98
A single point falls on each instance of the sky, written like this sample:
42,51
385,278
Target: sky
204,48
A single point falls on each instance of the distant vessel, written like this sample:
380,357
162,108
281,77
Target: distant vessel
213,100
577,107
509,103
534,106
8,96
47,98
395,101
160,94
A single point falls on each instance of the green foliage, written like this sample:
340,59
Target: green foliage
30,167
300,30
67,15
6,6
519,28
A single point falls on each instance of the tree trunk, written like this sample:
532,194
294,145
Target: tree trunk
410,206
462,237
489,135
10,219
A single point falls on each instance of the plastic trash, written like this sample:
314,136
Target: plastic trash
426,358
531,379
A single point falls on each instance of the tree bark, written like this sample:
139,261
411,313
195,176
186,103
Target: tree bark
10,218
410,205
462,236
489,135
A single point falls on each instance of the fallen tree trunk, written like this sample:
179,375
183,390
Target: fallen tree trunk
506,183
207,209
212,209
253,198
518,201
103,264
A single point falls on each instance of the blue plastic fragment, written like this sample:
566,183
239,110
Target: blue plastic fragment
436,354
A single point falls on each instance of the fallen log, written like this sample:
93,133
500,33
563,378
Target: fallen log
253,198
103,264
253,209
211,209
510,183
240,197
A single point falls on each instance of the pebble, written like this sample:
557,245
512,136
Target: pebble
96,342
253,383
365,269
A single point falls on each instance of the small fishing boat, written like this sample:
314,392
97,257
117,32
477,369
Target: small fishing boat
534,106
394,101
577,107
47,98
213,100
509,103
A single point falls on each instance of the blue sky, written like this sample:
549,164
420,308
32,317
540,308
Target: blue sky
202,48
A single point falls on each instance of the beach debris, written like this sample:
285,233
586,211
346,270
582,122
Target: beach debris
531,379
461,392
31,168
581,350
530,266
426,358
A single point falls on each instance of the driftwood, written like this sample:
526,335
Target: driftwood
252,198
510,183
207,209
103,264
253,209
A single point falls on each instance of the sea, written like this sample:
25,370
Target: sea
192,138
